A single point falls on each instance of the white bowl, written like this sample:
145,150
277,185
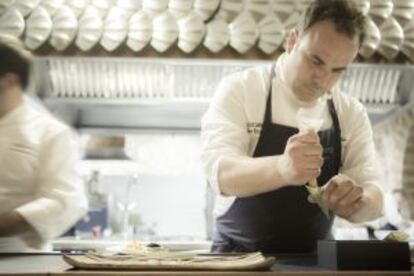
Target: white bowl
38,28
243,32
229,9
154,7
191,32
140,31
115,29
103,6
65,26
363,6
258,8
372,39
131,5
164,32
272,33
302,5
51,6
12,22
283,8
291,21
4,4
25,7
403,10
180,8
408,45
206,8
392,37
90,29
78,6
380,10
217,35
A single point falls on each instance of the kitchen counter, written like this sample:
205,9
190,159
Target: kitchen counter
53,264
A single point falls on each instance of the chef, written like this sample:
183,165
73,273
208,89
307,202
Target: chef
41,194
257,160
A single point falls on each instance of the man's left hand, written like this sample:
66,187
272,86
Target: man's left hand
343,196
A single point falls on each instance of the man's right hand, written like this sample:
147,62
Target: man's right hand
302,159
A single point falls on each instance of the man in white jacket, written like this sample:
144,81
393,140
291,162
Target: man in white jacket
258,162
41,193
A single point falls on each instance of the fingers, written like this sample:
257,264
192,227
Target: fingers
338,193
301,149
351,209
314,162
351,197
344,199
329,190
308,137
303,153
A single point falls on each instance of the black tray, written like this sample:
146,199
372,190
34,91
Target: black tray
363,255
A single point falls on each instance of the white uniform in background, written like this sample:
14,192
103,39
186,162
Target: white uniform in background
38,176
395,146
232,124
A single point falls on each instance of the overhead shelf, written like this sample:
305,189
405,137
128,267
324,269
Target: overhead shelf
146,93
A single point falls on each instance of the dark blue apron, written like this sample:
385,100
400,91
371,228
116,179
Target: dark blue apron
280,221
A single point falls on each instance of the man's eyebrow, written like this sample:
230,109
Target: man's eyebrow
337,69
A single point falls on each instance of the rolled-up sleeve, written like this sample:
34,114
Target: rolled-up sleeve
60,200
224,131
360,163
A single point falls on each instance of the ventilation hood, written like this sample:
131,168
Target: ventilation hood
142,94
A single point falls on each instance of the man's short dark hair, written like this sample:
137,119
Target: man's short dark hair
14,58
343,13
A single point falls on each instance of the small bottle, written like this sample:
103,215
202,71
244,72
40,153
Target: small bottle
96,221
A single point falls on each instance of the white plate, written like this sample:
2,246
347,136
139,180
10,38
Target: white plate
392,38
90,29
51,6
180,8
229,9
272,34
191,32
154,7
4,4
243,32
38,29
372,39
140,31
78,6
205,8
25,6
217,35
115,29
381,9
65,26
164,32
258,8
12,22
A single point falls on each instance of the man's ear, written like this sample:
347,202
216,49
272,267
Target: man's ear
292,39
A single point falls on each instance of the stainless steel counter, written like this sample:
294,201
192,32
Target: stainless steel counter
73,244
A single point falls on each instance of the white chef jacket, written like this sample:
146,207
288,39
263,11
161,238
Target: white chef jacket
232,125
39,178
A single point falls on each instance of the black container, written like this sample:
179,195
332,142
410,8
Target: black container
363,255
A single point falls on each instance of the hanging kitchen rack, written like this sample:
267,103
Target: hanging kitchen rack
144,93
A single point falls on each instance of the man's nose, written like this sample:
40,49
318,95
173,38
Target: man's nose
322,78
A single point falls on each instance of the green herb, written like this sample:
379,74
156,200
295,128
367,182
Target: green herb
397,236
316,194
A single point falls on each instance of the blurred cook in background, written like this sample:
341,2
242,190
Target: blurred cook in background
41,194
